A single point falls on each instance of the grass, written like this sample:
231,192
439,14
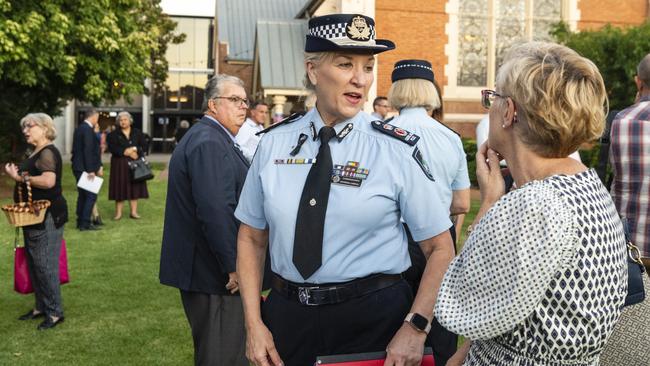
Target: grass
116,311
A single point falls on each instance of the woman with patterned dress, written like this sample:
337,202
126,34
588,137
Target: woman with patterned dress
542,278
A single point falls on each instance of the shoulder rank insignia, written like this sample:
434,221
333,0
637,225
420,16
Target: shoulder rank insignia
292,118
396,132
417,155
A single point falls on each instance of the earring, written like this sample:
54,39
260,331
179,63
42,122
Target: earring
503,125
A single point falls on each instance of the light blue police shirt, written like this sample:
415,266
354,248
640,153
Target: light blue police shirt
442,150
363,234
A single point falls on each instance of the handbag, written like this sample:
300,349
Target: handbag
635,270
22,281
140,170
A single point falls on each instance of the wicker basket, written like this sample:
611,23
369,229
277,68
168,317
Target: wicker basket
26,213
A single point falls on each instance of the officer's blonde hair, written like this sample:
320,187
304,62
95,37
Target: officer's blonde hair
560,97
316,58
408,93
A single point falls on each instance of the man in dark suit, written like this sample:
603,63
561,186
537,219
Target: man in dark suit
199,246
86,158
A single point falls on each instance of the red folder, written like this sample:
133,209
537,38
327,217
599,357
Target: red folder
367,359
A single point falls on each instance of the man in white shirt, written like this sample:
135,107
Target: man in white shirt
380,108
246,138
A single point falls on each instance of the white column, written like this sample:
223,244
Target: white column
278,108
146,107
68,115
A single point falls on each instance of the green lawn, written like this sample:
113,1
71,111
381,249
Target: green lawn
116,311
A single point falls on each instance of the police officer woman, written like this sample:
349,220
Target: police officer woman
327,191
415,95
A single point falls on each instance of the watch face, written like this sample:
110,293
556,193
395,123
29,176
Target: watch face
419,321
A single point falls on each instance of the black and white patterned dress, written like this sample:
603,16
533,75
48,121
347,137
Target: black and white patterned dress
543,277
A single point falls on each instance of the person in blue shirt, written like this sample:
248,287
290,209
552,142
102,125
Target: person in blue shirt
415,95
328,192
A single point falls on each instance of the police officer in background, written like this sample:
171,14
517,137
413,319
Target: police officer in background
327,191
414,94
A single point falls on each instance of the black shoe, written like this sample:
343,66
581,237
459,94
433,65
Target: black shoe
88,228
30,315
98,221
49,323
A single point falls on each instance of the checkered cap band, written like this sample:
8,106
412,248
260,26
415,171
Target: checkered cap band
336,31
413,65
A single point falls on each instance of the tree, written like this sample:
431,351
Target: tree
52,51
616,52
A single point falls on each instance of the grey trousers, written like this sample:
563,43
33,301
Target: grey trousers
217,323
43,248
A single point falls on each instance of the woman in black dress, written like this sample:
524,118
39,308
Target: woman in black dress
126,143
43,241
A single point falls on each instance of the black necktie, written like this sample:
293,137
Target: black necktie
308,242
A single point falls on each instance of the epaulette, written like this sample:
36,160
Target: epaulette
396,132
449,128
292,118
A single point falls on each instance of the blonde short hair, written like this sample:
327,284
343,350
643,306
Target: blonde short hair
42,120
559,96
407,93
317,58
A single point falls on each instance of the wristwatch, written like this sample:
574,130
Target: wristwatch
418,322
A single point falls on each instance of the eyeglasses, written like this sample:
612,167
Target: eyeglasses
488,96
236,101
28,126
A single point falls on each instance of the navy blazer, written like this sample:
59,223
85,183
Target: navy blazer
85,150
199,244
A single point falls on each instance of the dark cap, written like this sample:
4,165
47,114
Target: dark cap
344,32
412,69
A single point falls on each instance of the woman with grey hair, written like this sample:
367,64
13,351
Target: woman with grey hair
42,170
126,144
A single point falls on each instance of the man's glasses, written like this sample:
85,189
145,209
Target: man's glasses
236,100
489,96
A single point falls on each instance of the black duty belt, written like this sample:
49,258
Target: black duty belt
312,294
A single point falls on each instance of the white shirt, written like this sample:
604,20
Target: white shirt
246,138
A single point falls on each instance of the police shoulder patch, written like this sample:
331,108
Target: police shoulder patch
396,132
417,155
292,118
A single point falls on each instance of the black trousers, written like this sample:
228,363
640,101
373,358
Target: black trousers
85,202
363,324
217,323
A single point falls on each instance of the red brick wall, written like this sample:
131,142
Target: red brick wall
418,30
596,13
242,70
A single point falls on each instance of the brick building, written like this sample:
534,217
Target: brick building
463,39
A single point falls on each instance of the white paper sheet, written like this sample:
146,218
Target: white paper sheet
92,186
